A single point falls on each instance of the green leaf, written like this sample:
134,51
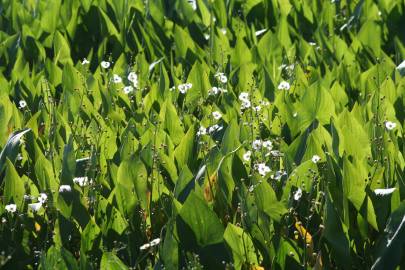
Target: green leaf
58,258
171,122
316,103
50,16
184,151
390,250
110,261
241,245
68,164
61,49
6,113
267,202
370,36
205,226
335,236
14,190
353,139
89,236
10,150
132,178
199,78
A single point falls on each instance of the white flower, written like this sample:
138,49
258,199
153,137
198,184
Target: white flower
223,79
65,188
81,181
213,91
284,86
278,175
390,125
282,66
85,61
257,144
35,206
132,77
11,208
244,96
217,115
22,104
401,66
105,64
214,128
201,131
183,88
312,43
155,242
247,155
315,159
128,89
117,78
298,194
276,153
257,108
145,246
152,243
295,114
42,198
384,191
245,104
268,144
263,169
193,4
223,30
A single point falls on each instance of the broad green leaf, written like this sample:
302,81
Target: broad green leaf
14,190
185,150
110,261
335,236
241,245
267,202
10,150
201,221
391,247
58,258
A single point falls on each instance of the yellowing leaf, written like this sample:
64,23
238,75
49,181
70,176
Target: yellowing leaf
37,227
304,233
307,237
209,188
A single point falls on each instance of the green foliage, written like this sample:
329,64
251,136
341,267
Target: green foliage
202,134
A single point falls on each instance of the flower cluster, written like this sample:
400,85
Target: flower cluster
203,130
216,90
152,243
81,181
284,86
244,98
183,88
221,77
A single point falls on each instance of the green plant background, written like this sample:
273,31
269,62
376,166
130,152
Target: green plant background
154,177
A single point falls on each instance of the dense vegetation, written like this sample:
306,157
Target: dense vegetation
206,134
